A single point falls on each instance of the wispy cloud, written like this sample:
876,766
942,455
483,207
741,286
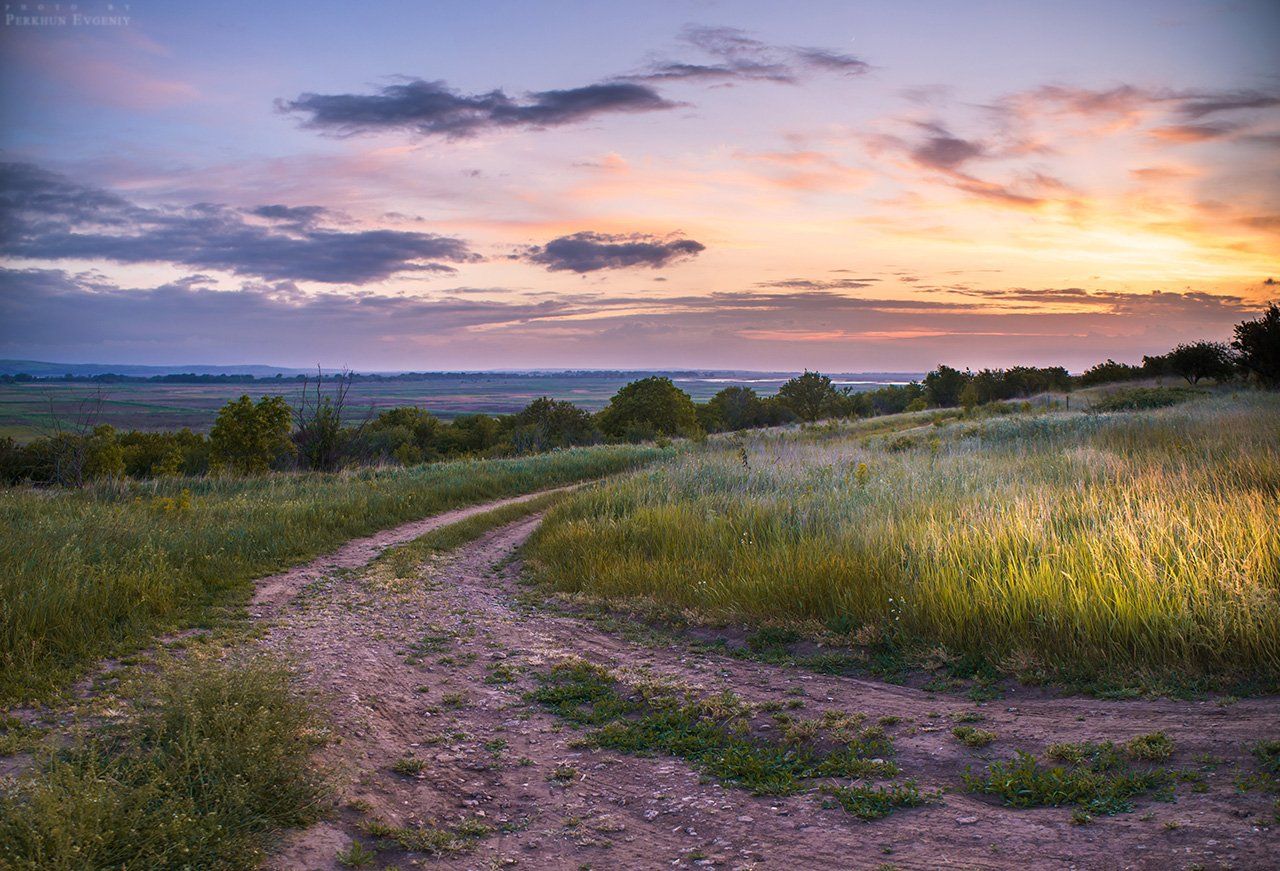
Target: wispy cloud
735,55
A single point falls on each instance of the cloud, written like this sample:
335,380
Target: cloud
52,314
49,217
588,252
738,56
941,150
820,283
433,109
1193,132
1200,105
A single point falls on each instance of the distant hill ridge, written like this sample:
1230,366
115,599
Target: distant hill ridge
44,369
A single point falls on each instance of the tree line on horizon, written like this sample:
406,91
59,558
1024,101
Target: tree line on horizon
318,431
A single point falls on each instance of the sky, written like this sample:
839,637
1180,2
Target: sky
869,186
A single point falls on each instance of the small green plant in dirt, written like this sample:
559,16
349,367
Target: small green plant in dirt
868,802
1095,777
563,773
356,856
714,734
1155,747
17,736
434,841
1267,754
207,761
501,673
409,766
971,736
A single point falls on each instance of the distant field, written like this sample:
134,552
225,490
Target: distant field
25,409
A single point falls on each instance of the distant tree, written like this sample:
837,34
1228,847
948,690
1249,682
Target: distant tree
322,434
1156,366
735,408
895,398
811,396
249,438
470,434
1201,360
406,434
944,385
1111,371
104,457
648,408
1257,345
548,423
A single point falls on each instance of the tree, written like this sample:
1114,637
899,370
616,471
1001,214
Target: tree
810,396
1201,360
1257,345
406,434
1111,371
944,384
250,438
648,408
548,423
735,408
321,436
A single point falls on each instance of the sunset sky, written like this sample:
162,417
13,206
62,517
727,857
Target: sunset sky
850,186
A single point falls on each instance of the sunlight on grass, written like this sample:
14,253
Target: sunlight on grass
1076,544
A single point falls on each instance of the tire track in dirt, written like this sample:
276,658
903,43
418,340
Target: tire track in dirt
406,666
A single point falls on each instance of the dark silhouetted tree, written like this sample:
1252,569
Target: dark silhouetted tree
1201,360
944,385
1257,345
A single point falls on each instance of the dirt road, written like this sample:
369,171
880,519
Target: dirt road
434,668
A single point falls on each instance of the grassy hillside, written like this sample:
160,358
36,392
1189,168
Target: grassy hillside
90,572
1067,544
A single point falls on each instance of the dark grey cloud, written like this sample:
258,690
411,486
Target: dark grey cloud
49,217
434,109
736,55
588,252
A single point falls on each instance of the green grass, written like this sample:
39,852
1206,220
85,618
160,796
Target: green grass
98,571
972,736
713,734
209,759
873,802
1129,546
1097,782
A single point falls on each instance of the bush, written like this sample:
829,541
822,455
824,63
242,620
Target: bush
250,438
1138,398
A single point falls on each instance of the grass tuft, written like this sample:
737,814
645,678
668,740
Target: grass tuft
210,758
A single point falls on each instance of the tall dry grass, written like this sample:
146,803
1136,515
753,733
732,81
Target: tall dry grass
1082,544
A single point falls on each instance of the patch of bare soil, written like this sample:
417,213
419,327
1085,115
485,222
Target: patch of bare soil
434,669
